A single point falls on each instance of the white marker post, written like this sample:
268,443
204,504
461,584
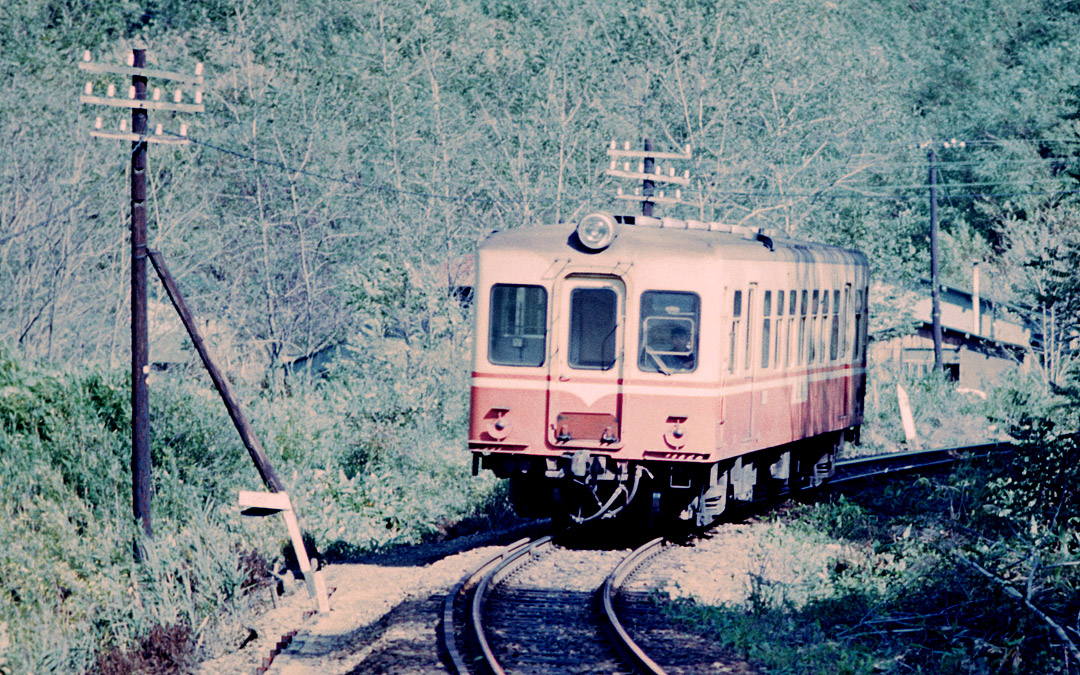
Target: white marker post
906,417
269,503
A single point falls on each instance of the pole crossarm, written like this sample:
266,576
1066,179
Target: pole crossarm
655,177
137,104
134,138
194,80
641,154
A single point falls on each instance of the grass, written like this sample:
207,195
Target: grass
370,460
894,599
899,597
943,416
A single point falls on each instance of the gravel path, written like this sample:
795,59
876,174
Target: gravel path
385,612
386,606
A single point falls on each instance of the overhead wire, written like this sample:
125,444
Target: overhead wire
834,192
341,180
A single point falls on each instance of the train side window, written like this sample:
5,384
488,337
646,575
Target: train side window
823,327
518,325
859,310
834,341
736,317
845,322
823,355
766,325
669,332
593,323
802,329
815,307
779,328
792,306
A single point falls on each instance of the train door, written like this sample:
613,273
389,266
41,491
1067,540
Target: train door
585,387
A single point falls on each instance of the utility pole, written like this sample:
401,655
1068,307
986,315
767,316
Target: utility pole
647,186
649,174
140,348
935,284
139,136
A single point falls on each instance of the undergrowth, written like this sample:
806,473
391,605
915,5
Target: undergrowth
369,459
944,415
902,592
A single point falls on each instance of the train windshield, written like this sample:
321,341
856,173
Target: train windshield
669,332
518,333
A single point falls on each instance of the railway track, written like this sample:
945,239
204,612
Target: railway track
850,471
538,608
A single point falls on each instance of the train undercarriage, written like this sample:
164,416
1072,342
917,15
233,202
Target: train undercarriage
583,486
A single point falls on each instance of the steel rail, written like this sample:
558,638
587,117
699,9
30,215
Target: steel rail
457,661
915,460
628,566
476,617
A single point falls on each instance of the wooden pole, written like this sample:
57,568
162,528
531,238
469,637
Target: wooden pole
647,186
935,283
247,435
140,406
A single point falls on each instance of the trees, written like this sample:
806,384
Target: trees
342,134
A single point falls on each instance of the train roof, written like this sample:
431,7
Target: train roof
636,242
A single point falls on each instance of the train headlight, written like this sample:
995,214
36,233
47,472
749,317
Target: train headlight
596,231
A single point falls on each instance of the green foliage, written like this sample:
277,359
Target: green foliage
896,597
370,460
943,416
1037,486
841,519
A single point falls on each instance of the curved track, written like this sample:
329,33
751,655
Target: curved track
860,468
533,608
642,661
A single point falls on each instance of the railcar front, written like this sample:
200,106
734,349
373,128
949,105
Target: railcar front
618,364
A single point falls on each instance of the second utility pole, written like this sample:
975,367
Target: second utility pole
935,286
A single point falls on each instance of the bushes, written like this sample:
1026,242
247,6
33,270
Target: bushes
1039,482
971,572
943,417
369,459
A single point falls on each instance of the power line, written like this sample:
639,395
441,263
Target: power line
346,181
727,193
872,166
892,197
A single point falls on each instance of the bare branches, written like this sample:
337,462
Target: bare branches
1026,599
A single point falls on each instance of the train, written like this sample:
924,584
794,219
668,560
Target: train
662,370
